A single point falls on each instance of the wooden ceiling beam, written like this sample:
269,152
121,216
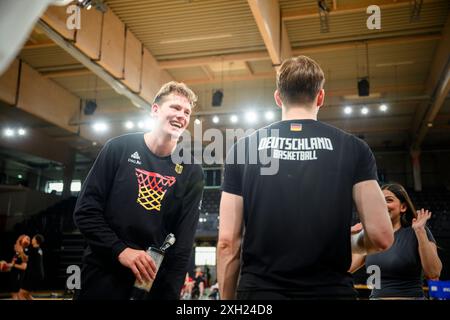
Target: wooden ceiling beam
344,9
437,86
267,15
66,73
38,45
200,61
263,55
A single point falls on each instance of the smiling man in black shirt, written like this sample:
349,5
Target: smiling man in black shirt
293,225
132,198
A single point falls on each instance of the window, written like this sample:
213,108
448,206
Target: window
213,177
57,186
75,186
205,256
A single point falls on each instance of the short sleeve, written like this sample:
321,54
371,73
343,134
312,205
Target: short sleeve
232,181
366,167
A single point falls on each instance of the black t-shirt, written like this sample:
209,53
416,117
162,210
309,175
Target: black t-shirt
34,272
297,221
133,198
400,266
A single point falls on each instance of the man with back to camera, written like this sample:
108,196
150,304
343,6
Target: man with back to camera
295,225
132,198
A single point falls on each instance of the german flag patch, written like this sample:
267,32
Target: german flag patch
296,127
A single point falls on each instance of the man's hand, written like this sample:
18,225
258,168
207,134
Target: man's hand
140,263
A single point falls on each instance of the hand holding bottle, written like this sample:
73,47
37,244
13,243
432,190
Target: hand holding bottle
142,288
142,265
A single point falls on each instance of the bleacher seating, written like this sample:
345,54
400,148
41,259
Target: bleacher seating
438,202
209,214
70,253
211,201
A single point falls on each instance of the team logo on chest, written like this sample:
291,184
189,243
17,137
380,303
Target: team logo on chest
178,168
152,188
135,158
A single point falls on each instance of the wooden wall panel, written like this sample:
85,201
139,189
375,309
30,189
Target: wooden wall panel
46,100
133,62
153,77
88,37
8,83
56,17
113,45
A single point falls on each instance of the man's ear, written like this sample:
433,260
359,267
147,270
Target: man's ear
277,98
155,109
320,98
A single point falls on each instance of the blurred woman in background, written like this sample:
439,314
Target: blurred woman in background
413,254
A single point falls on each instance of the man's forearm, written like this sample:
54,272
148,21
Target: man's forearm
228,267
361,244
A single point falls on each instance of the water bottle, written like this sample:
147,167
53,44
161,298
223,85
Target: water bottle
141,289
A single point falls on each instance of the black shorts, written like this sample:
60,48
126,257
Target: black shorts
99,283
31,282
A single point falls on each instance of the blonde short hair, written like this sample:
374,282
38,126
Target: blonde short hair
178,88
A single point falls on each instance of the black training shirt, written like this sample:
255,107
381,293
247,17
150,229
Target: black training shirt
133,198
297,221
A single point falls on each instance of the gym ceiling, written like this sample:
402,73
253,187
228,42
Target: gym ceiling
119,58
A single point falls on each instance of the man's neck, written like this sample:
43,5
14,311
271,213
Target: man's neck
298,112
160,145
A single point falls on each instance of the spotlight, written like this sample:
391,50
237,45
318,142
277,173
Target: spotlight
197,121
323,5
383,108
251,117
129,125
85,3
88,4
364,110
8,132
348,110
100,127
234,118
22,132
269,115
215,119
